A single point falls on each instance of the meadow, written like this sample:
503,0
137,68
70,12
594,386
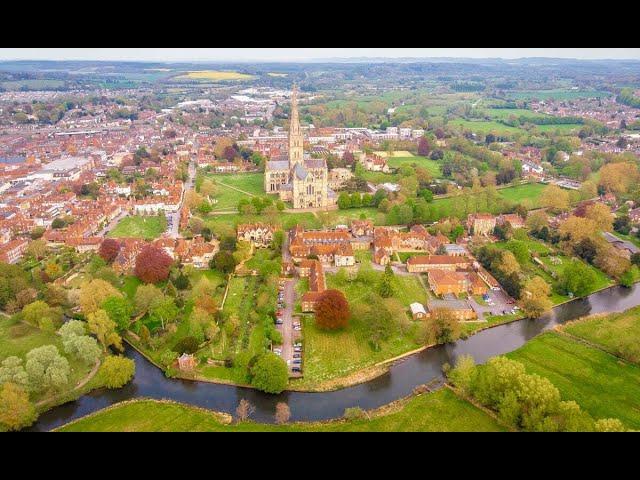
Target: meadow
441,411
617,333
139,227
232,188
600,383
432,166
214,75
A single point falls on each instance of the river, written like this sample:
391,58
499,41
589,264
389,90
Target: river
399,382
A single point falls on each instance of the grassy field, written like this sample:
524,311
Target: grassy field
505,113
228,186
562,129
330,355
528,194
17,339
431,165
618,333
600,383
214,75
398,154
441,411
556,94
483,127
139,227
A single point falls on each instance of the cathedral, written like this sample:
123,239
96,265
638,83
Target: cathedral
299,179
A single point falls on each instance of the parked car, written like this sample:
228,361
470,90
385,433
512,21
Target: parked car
297,355
297,361
296,369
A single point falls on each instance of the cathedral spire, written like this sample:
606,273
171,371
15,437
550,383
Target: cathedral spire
295,134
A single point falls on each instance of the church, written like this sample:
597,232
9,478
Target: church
299,179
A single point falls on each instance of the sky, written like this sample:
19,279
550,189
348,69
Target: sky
302,54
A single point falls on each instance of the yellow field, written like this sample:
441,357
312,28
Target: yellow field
215,75
273,74
399,153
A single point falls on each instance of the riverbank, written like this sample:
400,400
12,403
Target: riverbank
362,375
439,411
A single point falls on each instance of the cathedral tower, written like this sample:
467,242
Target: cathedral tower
296,141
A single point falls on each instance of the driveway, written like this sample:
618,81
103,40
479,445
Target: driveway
500,301
288,333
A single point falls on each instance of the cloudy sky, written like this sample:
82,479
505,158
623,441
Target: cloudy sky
302,54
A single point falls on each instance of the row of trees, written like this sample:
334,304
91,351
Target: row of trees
524,401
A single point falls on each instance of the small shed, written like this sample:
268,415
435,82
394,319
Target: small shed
418,311
187,362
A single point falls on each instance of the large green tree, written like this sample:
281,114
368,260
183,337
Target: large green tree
47,369
269,373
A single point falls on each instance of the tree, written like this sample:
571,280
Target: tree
386,287
575,229
270,373
109,249
93,294
609,425
119,310
41,315
71,328
152,264
619,177
601,216
37,249
442,326
16,411
145,297
83,347
577,278
463,374
555,198
344,200
104,329
46,368
223,261
12,370
611,262
164,310
586,249
534,299
507,264
116,371
283,413
244,410
332,310
424,148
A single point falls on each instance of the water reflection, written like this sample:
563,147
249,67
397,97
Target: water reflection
399,382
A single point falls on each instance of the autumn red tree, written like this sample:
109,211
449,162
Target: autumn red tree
152,264
332,310
109,249
230,153
423,147
348,158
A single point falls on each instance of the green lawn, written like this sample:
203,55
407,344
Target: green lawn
600,383
227,197
441,411
333,354
505,113
527,194
18,338
483,127
561,128
618,333
431,165
139,227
